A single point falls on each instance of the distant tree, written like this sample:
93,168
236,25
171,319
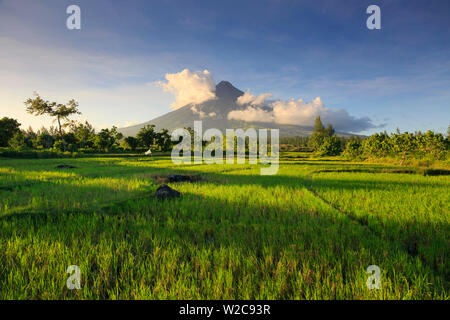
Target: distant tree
117,135
432,144
60,112
192,134
53,131
30,137
353,148
402,144
59,145
8,127
44,139
106,139
319,133
103,140
377,145
131,143
331,146
84,133
296,141
163,140
329,131
18,141
146,136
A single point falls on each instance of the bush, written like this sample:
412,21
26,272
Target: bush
18,142
353,149
331,146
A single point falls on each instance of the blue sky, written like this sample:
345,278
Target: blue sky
398,76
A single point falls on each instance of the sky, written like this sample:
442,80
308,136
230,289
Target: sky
119,65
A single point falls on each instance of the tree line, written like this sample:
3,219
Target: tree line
323,141
74,136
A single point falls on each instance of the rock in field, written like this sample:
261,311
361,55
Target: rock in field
179,178
166,192
65,166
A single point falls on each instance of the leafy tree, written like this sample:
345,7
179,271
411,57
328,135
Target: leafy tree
433,144
163,140
30,137
402,144
316,139
329,131
296,141
59,145
71,141
131,143
18,141
117,135
8,127
353,148
331,146
84,134
146,136
44,139
321,135
378,145
106,139
60,112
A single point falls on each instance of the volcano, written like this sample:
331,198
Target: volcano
213,113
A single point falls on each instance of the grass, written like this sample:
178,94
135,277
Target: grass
309,232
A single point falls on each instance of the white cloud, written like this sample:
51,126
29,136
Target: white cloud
202,114
190,87
252,114
248,98
299,112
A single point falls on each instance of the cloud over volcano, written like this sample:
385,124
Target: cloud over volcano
190,87
296,112
197,88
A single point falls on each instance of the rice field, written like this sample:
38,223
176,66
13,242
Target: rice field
309,232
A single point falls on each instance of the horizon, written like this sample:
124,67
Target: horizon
125,65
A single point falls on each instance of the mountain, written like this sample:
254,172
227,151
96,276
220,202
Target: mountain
213,114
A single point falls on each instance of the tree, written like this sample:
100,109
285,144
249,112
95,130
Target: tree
163,140
131,143
60,112
18,142
402,144
353,148
146,136
30,137
44,139
378,145
331,146
84,133
319,133
432,144
329,131
106,139
8,127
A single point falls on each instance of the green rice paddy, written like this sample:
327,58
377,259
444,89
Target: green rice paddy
309,232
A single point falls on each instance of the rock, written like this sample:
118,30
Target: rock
65,166
166,192
179,178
